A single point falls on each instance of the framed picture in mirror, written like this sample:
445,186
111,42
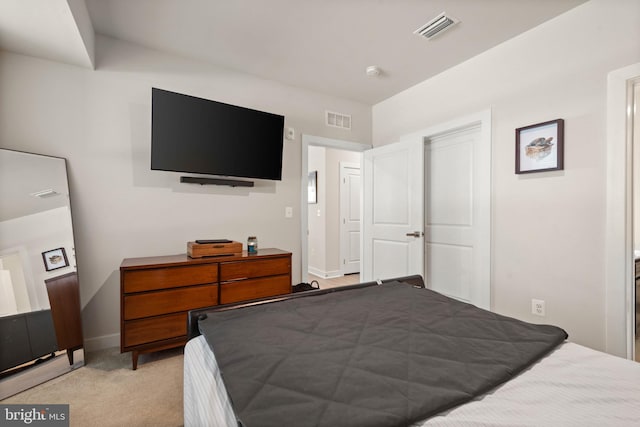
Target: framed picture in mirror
55,259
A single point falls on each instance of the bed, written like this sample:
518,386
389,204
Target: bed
280,367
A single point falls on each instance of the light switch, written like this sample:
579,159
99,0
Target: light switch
288,212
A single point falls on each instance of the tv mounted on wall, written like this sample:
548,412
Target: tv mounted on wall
196,135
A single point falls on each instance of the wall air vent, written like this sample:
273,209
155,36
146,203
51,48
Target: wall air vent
436,26
338,120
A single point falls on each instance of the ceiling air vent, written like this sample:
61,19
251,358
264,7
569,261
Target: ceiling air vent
43,194
337,120
436,26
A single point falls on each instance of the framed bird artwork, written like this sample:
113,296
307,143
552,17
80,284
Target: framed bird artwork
540,147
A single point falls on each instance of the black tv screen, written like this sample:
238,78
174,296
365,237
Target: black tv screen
195,135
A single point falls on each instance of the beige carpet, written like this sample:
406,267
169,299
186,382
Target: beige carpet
106,392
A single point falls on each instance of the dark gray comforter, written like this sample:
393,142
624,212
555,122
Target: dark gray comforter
386,355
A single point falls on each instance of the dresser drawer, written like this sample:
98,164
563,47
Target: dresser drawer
254,288
169,301
257,268
169,277
157,292
158,328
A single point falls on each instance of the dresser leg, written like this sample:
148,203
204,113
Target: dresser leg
70,355
134,359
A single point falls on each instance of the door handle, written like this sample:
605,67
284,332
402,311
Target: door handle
415,234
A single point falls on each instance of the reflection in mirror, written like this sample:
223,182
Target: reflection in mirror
40,326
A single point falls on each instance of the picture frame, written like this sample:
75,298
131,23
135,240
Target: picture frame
540,147
312,191
55,259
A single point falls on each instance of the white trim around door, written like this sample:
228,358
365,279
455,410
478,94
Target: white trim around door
619,268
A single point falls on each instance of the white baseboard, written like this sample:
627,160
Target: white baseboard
333,274
102,342
324,274
315,271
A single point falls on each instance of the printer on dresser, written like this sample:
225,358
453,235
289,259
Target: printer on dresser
157,292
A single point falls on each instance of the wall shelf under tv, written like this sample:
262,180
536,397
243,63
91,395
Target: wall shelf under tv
215,181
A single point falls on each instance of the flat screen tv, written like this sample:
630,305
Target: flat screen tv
195,135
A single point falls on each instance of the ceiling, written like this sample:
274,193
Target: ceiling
320,45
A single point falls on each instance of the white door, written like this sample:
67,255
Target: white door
441,174
393,204
349,218
457,220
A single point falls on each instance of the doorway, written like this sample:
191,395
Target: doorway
322,251
404,230
350,224
457,226
620,298
17,293
635,291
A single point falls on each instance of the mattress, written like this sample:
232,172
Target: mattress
381,356
572,386
205,399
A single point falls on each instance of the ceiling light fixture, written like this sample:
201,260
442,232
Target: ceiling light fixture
373,71
436,26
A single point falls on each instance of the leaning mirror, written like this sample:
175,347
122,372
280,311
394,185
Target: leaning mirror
40,323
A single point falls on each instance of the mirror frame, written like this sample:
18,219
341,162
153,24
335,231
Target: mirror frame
55,305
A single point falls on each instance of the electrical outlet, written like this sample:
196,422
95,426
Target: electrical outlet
537,307
288,212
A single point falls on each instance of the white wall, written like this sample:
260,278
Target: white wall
100,120
548,228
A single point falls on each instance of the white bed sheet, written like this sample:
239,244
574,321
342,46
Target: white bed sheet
206,403
572,386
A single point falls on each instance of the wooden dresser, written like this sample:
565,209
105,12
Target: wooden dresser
157,292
